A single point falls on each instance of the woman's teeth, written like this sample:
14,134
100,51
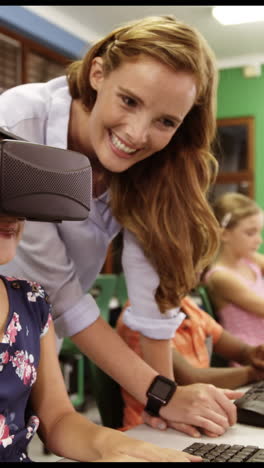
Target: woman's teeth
121,146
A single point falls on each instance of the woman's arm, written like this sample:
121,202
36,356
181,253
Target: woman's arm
199,405
71,435
157,354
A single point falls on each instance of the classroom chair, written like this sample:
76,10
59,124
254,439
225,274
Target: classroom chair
103,290
72,362
71,358
216,360
105,390
119,299
206,301
107,395
121,289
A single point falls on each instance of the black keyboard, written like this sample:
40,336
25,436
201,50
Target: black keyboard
226,453
250,407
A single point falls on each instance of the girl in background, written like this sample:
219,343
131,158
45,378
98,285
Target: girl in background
235,278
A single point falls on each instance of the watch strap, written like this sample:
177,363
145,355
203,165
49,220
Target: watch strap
153,406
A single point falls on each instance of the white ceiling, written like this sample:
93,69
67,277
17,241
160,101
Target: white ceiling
236,45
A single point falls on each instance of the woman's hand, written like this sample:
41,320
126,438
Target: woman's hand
122,448
190,429
201,407
162,425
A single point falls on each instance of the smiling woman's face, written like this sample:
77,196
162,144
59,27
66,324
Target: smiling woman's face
10,234
139,107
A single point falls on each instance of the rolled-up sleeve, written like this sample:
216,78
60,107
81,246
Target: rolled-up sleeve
77,317
142,281
42,256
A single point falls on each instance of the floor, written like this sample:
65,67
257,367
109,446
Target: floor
36,451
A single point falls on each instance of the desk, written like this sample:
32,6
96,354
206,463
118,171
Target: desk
240,434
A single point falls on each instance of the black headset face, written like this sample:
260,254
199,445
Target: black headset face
43,183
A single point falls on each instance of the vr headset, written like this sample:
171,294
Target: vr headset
42,183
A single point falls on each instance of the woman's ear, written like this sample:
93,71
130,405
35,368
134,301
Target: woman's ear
96,73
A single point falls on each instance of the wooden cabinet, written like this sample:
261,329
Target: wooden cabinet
234,149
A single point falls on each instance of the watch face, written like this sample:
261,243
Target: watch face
159,393
161,388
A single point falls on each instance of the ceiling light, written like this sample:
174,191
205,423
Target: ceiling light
238,14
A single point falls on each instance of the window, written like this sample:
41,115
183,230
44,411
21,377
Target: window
23,60
10,63
41,69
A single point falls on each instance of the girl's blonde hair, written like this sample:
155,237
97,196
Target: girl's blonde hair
163,199
231,208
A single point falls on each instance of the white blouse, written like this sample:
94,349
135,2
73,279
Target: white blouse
67,257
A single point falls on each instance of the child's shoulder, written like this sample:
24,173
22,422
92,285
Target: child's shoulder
21,281
216,269
33,296
24,284
222,277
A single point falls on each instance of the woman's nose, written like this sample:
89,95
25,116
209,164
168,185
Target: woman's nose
138,131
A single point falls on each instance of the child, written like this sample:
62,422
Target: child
234,279
33,396
192,344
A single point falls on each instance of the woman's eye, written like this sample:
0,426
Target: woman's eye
168,123
129,101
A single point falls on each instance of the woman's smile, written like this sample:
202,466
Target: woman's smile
120,148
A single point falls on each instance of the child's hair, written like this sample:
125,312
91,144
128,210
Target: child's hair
163,199
231,208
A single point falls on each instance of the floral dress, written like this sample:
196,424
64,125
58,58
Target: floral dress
28,320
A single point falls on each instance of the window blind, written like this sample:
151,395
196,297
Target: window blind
10,62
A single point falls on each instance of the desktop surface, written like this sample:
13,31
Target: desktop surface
240,434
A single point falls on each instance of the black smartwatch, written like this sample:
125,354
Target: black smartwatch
159,394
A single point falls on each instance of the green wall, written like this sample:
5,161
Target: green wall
241,97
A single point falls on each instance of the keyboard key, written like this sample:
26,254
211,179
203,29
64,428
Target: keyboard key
226,453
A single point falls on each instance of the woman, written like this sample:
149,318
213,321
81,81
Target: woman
140,105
